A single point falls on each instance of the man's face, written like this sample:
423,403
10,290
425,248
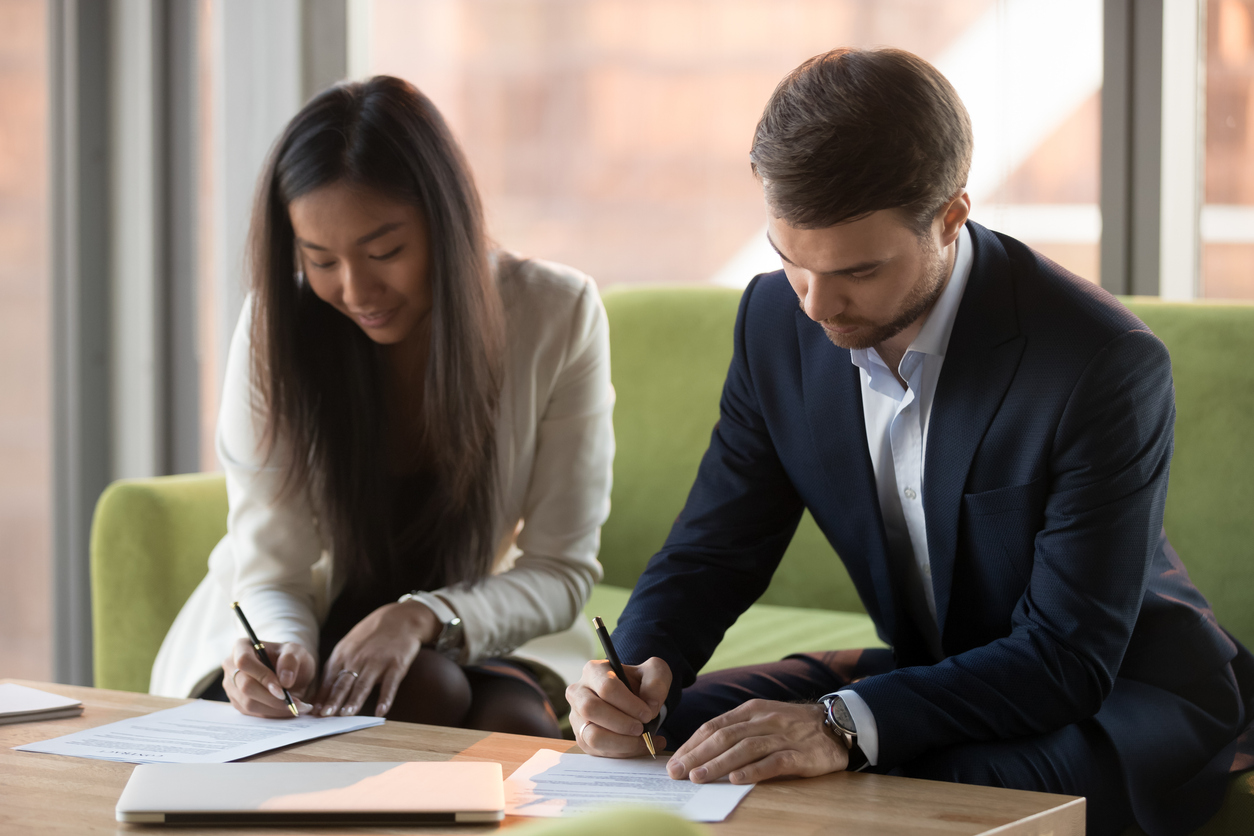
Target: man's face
867,280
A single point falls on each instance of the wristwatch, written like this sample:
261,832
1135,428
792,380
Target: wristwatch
839,721
449,641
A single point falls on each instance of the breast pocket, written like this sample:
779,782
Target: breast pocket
999,527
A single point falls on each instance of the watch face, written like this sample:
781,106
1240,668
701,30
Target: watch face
840,716
450,637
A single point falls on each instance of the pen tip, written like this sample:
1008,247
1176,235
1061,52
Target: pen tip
648,742
292,708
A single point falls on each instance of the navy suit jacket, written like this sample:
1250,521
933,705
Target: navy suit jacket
1057,595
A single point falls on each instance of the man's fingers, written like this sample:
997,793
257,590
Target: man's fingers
718,735
596,740
756,741
591,706
784,762
685,754
618,694
655,683
745,751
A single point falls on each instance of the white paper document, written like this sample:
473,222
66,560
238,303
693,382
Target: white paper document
198,732
19,704
555,784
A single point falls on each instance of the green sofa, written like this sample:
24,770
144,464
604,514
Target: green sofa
670,350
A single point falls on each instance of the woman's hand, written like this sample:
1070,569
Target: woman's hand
253,689
379,650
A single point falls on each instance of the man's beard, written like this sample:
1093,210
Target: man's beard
918,302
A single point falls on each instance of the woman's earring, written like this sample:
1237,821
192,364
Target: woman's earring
300,278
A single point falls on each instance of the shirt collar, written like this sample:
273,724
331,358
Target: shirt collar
933,338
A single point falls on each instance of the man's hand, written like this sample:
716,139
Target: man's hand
607,717
253,689
377,651
759,740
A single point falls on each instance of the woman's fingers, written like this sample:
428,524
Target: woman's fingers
323,695
257,690
363,684
261,686
388,687
297,668
291,666
331,671
340,681
248,695
246,661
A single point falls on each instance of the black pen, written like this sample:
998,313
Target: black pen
604,636
259,648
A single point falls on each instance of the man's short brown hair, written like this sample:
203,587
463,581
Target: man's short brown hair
853,131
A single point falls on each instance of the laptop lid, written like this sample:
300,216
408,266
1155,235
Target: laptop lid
313,793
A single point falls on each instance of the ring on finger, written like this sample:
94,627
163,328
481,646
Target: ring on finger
346,670
585,725
233,682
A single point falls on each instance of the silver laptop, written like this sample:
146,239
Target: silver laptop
313,793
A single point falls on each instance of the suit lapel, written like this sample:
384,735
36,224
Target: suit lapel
980,362
833,402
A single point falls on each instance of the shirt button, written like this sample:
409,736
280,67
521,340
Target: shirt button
910,494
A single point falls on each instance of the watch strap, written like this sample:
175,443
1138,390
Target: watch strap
450,638
443,612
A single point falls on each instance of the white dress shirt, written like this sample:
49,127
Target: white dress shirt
896,435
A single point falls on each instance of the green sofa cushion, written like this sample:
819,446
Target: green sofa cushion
765,633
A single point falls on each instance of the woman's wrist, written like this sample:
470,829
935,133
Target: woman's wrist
422,620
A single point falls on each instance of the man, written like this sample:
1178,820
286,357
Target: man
984,439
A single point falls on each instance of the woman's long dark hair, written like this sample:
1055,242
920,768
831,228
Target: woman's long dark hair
319,378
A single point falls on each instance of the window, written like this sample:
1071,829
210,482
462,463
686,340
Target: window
25,396
1227,222
613,135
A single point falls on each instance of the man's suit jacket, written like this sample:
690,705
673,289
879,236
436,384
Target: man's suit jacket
1057,595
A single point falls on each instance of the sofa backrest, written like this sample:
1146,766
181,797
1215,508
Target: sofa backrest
151,538
670,348
669,352
1210,501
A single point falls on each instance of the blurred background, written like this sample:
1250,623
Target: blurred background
1116,137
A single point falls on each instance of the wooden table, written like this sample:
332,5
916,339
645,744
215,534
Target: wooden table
54,794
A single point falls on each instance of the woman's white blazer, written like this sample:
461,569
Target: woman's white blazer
555,448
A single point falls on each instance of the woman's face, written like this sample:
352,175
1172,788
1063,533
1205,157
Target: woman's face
367,256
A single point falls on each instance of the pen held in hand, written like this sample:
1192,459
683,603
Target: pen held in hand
259,648
608,645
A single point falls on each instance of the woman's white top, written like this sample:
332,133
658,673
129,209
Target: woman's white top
555,449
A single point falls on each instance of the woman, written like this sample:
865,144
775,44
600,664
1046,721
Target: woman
417,439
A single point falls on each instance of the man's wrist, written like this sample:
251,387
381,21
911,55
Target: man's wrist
840,724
